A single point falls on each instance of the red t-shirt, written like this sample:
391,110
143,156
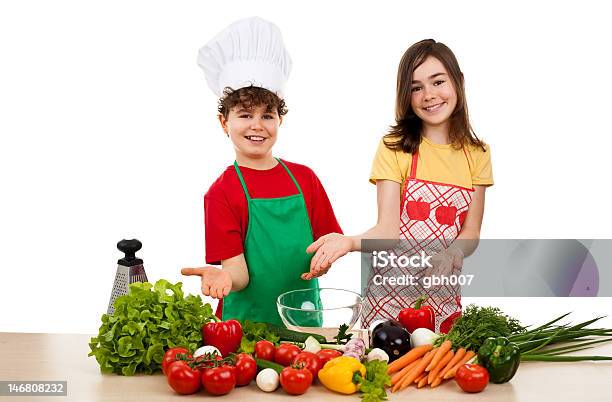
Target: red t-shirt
226,212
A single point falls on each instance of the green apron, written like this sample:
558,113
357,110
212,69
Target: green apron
275,251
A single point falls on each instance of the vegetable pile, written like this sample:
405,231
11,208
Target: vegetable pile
287,365
157,327
496,342
145,323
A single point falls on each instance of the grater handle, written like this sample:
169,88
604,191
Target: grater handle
129,247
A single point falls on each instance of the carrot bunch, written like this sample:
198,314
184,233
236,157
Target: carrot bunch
426,365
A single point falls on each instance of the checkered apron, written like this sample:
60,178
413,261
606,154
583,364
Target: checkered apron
431,218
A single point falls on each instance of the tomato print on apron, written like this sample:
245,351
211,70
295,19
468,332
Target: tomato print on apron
431,218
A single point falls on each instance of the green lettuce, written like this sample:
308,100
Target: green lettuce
374,383
147,321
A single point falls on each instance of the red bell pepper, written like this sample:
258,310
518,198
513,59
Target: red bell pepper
224,335
448,323
419,316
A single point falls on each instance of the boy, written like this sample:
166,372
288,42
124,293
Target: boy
262,212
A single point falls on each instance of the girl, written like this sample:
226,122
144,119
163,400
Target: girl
431,172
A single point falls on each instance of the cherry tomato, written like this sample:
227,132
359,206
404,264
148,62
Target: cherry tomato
326,355
170,357
219,380
182,378
472,377
285,354
295,381
246,368
265,350
310,361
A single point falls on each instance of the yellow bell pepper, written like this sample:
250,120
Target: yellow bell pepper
337,374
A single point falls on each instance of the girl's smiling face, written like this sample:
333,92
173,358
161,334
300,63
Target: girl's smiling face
433,95
253,131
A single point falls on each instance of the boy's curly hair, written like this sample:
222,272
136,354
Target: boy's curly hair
250,97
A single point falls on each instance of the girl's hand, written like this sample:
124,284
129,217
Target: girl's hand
216,282
447,261
328,249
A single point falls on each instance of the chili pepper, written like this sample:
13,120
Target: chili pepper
224,335
500,357
419,316
339,374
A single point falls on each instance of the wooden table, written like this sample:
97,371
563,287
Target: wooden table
55,357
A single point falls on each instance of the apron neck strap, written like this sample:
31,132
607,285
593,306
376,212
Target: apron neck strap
413,165
291,175
244,187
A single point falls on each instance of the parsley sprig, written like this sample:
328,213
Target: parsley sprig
342,336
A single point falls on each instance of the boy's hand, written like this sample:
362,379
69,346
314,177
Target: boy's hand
328,249
216,282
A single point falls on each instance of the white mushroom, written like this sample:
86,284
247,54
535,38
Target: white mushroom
267,380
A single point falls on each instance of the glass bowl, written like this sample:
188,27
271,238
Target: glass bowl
319,311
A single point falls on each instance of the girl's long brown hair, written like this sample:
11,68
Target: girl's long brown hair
405,135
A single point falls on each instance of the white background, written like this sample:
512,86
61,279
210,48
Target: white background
108,131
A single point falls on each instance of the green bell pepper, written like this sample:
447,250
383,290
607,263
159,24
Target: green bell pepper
500,357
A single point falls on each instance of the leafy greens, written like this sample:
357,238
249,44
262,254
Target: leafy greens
253,332
374,383
147,321
477,324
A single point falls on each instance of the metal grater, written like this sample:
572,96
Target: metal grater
129,270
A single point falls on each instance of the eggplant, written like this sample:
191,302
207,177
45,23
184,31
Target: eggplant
391,337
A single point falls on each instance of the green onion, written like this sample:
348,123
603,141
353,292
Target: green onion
547,358
535,340
571,348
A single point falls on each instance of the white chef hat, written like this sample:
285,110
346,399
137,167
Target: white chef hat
248,52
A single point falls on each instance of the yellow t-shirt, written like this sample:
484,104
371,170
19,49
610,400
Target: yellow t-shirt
439,163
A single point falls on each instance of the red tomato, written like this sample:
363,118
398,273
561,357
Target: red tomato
219,380
285,354
310,362
295,381
170,357
182,378
265,350
326,355
246,368
472,377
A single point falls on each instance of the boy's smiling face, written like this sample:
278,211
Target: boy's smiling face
253,132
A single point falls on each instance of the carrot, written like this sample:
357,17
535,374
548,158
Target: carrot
415,372
436,382
451,373
419,378
423,381
397,376
408,358
458,356
443,362
442,350
401,375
